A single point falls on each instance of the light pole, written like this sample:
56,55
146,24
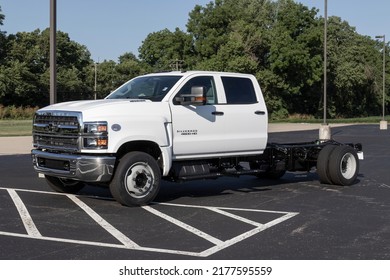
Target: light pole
325,56
53,52
383,123
95,87
324,133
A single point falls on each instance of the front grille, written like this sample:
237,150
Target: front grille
57,130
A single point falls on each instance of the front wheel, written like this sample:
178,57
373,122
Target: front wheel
136,180
64,185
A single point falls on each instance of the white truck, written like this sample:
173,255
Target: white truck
176,126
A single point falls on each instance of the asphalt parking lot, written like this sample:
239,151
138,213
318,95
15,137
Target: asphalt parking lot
229,218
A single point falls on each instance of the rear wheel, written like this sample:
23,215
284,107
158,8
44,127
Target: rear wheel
64,185
343,165
323,164
136,180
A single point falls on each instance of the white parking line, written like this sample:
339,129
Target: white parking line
24,214
245,235
104,224
33,233
258,226
189,228
233,216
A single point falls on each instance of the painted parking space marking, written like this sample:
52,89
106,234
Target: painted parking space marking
216,245
103,223
259,226
185,226
28,223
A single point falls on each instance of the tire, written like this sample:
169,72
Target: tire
64,185
323,164
343,166
136,180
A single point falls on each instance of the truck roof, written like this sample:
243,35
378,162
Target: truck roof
193,72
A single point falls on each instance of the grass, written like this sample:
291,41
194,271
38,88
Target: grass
15,127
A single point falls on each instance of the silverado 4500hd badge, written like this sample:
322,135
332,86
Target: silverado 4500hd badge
187,132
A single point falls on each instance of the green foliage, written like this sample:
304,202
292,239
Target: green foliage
128,67
160,49
2,39
1,17
24,71
24,75
281,42
210,27
354,71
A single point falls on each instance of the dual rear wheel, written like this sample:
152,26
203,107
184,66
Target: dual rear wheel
338,165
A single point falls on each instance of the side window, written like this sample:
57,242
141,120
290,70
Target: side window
207,82
239,90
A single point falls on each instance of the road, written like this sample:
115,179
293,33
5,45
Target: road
229,218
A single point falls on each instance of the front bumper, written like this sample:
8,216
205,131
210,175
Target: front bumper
84,168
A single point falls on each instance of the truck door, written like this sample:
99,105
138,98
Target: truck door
244,115
197,131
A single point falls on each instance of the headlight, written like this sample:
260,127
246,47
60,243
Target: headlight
95,128
95,135
96,143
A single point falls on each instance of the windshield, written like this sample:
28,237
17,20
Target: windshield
152,87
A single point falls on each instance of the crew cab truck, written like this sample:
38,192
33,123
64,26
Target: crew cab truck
176,126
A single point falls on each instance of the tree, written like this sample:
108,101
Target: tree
209,27
272,40
129,67
280,42
161,48
28,53
3,39
107,79
2,17
17,84
295,57
354,72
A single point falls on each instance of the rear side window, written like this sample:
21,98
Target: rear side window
239,90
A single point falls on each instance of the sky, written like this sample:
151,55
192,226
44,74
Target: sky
112,28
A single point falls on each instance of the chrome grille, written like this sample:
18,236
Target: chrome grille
57,130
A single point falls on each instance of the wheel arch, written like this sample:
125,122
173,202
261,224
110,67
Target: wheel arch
163,155
145,146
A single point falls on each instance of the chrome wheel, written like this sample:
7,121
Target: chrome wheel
139,180
343,166
348,166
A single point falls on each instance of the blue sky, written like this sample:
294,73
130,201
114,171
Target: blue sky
111,28
370,17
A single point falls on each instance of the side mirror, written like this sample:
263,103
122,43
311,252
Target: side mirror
196,98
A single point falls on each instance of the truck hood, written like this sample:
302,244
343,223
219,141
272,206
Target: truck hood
111,108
